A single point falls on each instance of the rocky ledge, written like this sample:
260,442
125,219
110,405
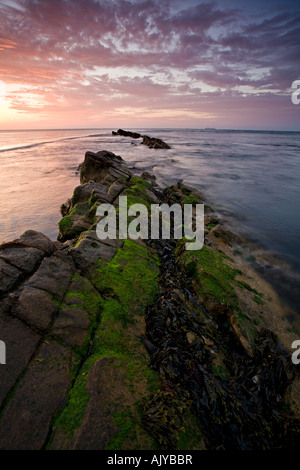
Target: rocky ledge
132,344
151,142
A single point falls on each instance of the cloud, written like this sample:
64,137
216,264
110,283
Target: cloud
56,55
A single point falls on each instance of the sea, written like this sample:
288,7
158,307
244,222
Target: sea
251,179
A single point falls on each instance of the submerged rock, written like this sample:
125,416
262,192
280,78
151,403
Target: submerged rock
154,143
134,135
151,142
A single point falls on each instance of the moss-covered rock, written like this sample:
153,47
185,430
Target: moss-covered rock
140,345
125,286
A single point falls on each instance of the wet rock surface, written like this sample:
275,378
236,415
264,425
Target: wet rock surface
151,142
124,344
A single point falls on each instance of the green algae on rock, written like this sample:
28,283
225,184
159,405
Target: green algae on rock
140,345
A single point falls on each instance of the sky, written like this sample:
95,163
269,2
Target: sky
228,64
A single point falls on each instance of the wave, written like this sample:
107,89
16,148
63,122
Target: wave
22,147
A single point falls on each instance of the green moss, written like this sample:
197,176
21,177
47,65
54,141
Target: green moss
131,280
76,221
211,226
123,179
190,438
213,277
245,285
126,423
247,327
71,416
92,200
191,199
137,192
132,274
139,182
65,223
292,329
152,378
79,209
258,300
87,298
215,283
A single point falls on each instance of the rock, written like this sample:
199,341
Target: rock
53,275
80,309
80,319
23,258
151,142
115,189
190,337
240,335
72,326
150,347
88,251
37,240
97,427
154,143
83,192
36,307
40,394
148,177
91,235
81,218
21,343
208,342
228,237
9,277
133,135
96,166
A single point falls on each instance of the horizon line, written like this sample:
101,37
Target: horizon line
150,128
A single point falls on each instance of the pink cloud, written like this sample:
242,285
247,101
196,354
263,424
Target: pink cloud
52,51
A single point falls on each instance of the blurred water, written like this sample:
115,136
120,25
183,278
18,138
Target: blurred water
251,177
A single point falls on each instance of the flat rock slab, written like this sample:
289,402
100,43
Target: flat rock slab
53,275
20,343
38,240
24,258
40,394
97,427
88,251
10,276
72,326
36,307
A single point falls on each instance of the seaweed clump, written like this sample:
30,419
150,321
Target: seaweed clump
214,361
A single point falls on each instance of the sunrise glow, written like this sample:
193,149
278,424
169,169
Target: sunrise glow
99,63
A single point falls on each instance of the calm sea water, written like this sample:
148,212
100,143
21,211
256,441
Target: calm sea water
253,178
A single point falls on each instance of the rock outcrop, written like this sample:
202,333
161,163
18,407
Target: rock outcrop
135,344
134,135
151,142
154,143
